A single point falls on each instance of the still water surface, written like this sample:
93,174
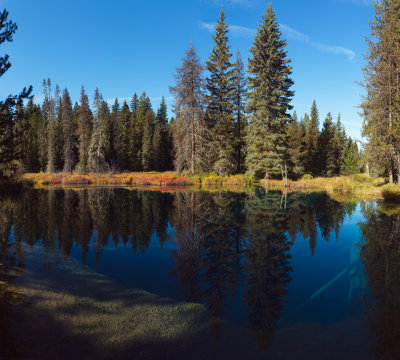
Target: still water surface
119,273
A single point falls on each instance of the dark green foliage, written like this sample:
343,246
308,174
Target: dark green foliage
135,148
269,99
59,138
100,140
124,132
21,133
85,125
351,163
339,143
239,94
220,107
380,105
70,140
8,161
31,158
311,165
326,148
295,145
147,145
113,131
162,145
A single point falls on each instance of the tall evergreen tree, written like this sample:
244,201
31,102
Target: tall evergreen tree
239,94
99,142
351,162
34,115
113,149
135,136
161,144
269,99
124,132
49,110
68,131
311,164
97,101
380,105
220,107
295,144
326,148
85,124
21,133
8,163
189,127
339,143
147,145
59,137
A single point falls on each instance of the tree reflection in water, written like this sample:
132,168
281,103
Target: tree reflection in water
380,254
230,247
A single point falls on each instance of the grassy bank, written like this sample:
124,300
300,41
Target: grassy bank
358,185
159,179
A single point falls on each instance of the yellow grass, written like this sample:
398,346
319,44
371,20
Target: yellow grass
359,185
159,179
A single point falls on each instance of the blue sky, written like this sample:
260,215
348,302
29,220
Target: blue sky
123,47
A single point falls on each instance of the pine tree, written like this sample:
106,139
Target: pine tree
269,96
97,100
68,131
380,105
219,114
351,158
124,131
189,128
156,148
339,143
311,165
8,163
21,132
161,145
326,149
295,144
49,110
113,149
147,145
135,148
239,94
100,140
59,137
85,124
34,115
75,126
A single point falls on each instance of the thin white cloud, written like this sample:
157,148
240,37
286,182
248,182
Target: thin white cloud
245,3
289,33
235,29
294,34
364,3
336,50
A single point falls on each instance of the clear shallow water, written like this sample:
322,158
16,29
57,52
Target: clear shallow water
303,277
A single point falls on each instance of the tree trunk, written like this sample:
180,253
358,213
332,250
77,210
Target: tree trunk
193,150
398,168
367,168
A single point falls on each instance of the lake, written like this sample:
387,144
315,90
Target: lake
138,274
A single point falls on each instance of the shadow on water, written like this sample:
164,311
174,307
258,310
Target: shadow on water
230,264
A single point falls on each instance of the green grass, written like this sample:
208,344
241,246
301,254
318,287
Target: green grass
391,192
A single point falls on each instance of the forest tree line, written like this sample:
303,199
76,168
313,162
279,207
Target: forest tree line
227,122
381,104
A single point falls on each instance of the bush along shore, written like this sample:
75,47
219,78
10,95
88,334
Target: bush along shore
358,185
160,179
